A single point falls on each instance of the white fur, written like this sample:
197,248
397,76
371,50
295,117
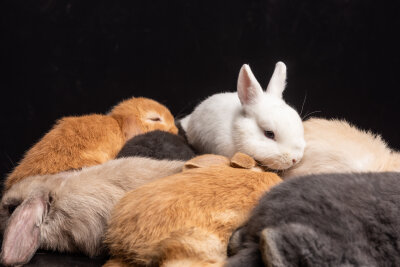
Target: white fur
227,123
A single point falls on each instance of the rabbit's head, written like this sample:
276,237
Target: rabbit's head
140,115
267,128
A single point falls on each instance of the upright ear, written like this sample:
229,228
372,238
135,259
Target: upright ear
22,235
277,83
248,88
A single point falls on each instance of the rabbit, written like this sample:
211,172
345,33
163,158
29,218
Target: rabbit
68,211
159,145
186,219
76,142
336,219
337,146
251,121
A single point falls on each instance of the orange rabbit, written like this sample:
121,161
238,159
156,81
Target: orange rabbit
186,219
75,142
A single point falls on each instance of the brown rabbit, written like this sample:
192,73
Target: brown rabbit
75,142
337,146
186,219
68,211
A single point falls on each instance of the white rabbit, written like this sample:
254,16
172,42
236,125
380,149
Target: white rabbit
69,211
261,124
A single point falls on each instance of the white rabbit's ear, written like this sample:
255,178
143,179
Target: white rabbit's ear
22,235
248,87
277,83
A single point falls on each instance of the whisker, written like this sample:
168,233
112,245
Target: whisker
304,101
182,113
309,114
9,158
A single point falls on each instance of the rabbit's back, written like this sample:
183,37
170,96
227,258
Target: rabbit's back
209,129
184,207
158,145
337,146
72,143
330,219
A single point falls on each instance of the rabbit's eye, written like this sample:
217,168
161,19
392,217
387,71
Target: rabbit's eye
269,134
155,119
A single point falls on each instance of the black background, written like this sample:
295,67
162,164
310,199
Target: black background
76,57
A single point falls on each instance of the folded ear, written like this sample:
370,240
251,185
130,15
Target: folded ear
22,234
241,160
206,160
131,127
270,240
248,88
277,84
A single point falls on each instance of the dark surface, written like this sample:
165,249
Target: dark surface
71,57
50,259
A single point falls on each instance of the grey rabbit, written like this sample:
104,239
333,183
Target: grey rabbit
323,220
158,145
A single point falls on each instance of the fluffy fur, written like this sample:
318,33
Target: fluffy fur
186,219
75,142
324,220
69,211
158,145
337,146
227,123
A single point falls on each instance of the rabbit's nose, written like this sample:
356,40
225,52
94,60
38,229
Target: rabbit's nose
294,161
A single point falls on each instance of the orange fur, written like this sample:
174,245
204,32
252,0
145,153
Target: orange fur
76,142
186,219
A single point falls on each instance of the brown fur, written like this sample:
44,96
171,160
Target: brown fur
337,146
76,142
77,206
185,219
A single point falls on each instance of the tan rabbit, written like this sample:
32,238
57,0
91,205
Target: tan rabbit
186,219
337,146
69,211
75,142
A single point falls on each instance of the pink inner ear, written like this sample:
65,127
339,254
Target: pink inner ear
22,234
248,87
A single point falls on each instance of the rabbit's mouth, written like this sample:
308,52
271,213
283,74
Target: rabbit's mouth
268,169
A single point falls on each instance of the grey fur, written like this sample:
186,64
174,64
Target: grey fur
324,220
157,145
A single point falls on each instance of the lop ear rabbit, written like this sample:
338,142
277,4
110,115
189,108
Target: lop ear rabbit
324,220
158,145
75,142
186,219
251,121
337,146
69,211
